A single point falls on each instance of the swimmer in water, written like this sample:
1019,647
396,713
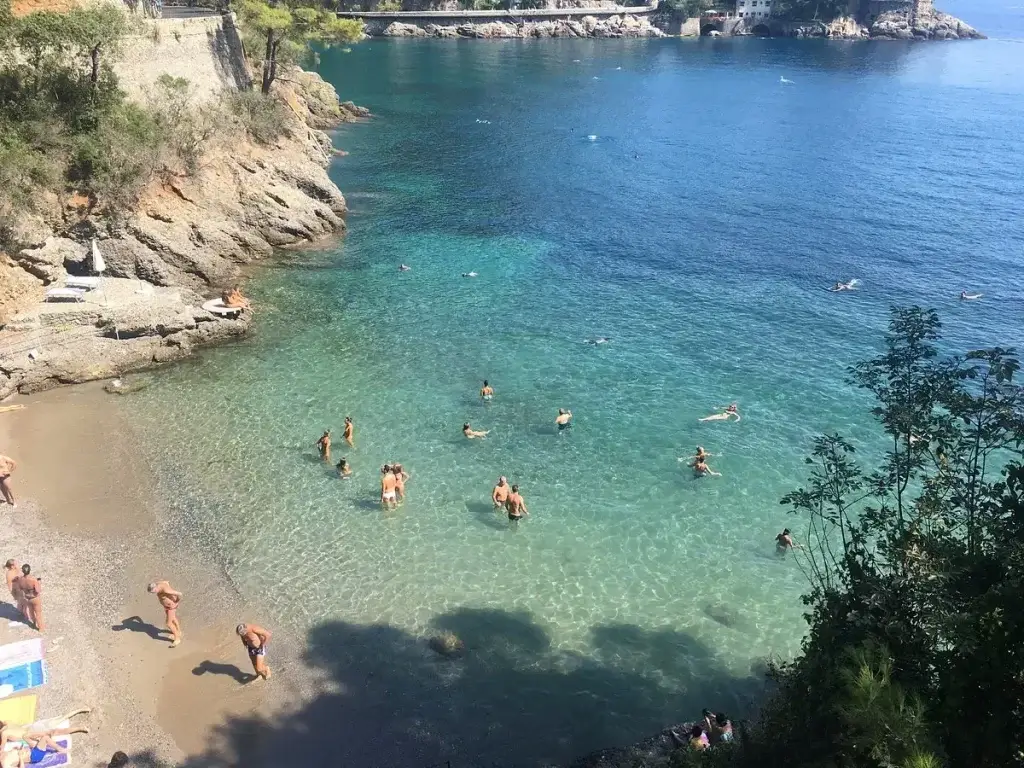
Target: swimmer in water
784,542
401,476
324,445
349,433
965,296
500,493
725,415
473,433
848,286
564,419
599,340
344,468
470,274
404,267
388,487
700,456
486,391
701,469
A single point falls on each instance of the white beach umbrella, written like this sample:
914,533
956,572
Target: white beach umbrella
98,265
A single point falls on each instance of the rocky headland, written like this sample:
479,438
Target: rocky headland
185,240
900,24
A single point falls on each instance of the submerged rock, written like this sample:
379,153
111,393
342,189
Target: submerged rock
447,644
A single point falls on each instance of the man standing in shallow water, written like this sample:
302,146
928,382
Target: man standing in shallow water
516,506
168,597
255,640
500,493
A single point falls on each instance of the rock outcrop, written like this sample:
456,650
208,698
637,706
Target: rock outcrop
898,25
187,238
624,25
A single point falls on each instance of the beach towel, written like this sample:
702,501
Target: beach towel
21,666
20,710
51,759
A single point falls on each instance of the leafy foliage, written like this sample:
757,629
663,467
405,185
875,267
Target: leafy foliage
810,10
915,655
283,31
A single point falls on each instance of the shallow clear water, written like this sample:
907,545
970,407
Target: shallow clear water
698,230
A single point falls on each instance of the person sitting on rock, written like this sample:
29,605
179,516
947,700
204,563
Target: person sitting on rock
233,298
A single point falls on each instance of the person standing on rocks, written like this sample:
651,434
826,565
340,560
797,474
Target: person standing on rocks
31,590
255,640
7,467
168,598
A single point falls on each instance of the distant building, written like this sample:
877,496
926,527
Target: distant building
753,9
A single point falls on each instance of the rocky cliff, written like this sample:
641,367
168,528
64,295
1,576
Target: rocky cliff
625,25
187,237
891,25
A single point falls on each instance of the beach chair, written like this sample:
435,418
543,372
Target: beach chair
83,283
65,294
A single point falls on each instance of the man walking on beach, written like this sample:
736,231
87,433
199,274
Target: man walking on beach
168,598
255,640
7,466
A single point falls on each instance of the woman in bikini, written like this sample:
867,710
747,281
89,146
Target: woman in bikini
401,476
486,391
725,415
349,433
471,433
31,590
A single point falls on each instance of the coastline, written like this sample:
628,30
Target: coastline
97,532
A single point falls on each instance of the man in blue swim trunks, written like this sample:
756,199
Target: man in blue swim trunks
255,640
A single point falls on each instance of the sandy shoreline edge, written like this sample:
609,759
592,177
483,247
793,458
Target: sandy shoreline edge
92,523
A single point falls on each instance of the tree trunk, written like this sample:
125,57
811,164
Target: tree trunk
273,65
94,54
268,74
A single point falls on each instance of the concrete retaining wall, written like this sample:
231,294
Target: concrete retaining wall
205,50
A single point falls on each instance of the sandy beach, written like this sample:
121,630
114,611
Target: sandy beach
91,523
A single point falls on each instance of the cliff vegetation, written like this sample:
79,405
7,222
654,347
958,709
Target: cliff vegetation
915,652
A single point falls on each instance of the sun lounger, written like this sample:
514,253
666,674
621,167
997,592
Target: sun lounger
217,307
64,294
85,283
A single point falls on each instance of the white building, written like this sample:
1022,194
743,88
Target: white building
753,9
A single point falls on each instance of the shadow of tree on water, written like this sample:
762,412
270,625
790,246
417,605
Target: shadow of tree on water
510,700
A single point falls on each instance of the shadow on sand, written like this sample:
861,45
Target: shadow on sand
136,624
510,700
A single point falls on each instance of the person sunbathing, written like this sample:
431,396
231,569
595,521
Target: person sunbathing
234,299
39,738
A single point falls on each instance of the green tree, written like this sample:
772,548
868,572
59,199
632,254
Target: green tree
284,30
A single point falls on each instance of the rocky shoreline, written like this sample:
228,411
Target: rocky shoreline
625,25
891,25
186,239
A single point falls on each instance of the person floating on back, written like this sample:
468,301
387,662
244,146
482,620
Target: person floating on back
472,434
727,413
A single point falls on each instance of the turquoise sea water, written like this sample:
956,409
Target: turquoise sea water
698,231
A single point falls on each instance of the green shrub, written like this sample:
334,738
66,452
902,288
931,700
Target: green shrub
389,6
264,118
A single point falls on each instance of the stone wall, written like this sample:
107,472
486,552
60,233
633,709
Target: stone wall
206,50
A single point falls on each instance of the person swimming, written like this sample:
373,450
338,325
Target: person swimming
598,340
701,469
470,274
344,468
564,419
404,267
726,414
486,391
471,433
784,542
850,285
965,296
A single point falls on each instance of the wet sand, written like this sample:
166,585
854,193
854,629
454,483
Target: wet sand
91,521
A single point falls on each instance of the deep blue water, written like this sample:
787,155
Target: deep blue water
698,229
